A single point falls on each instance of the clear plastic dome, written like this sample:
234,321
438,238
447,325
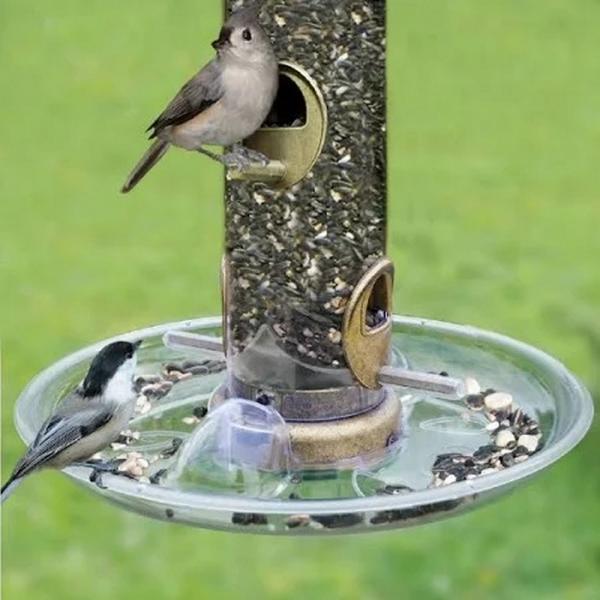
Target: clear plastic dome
241,445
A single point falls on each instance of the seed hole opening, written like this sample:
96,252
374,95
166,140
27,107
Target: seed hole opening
378,306
289,109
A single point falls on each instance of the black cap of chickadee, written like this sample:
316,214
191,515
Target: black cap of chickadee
106,365
89,419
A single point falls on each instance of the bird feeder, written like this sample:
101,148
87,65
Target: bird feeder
307,285
309,407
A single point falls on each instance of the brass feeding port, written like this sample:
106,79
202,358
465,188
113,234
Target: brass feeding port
293,134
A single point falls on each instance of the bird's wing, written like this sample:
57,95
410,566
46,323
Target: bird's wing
48,425
200,92
60,432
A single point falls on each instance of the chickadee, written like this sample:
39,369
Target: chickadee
224,103
88,420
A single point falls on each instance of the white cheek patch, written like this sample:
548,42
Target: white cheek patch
120,387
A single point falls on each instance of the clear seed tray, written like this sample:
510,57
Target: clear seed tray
175,468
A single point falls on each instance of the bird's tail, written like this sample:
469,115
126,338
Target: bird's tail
8,488
152,156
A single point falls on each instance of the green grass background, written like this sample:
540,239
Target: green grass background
495,216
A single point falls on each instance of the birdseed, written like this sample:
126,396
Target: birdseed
504,438
406,514
394,490
200,412
472,386
134,465
515,437
296,521
172,449
339,521
498,401
153,387
155,478
248,519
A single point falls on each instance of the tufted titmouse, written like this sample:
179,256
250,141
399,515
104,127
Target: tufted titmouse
88,420
224,103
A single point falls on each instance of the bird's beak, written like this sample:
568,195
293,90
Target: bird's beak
137,344
224,39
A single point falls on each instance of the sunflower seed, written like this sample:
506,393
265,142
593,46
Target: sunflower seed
498,401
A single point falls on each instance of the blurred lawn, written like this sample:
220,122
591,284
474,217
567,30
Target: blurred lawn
494,168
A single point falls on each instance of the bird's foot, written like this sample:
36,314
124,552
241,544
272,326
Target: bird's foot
99,468
254,156
240,158
96,477
235,161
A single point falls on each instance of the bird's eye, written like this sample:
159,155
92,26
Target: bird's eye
247,35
